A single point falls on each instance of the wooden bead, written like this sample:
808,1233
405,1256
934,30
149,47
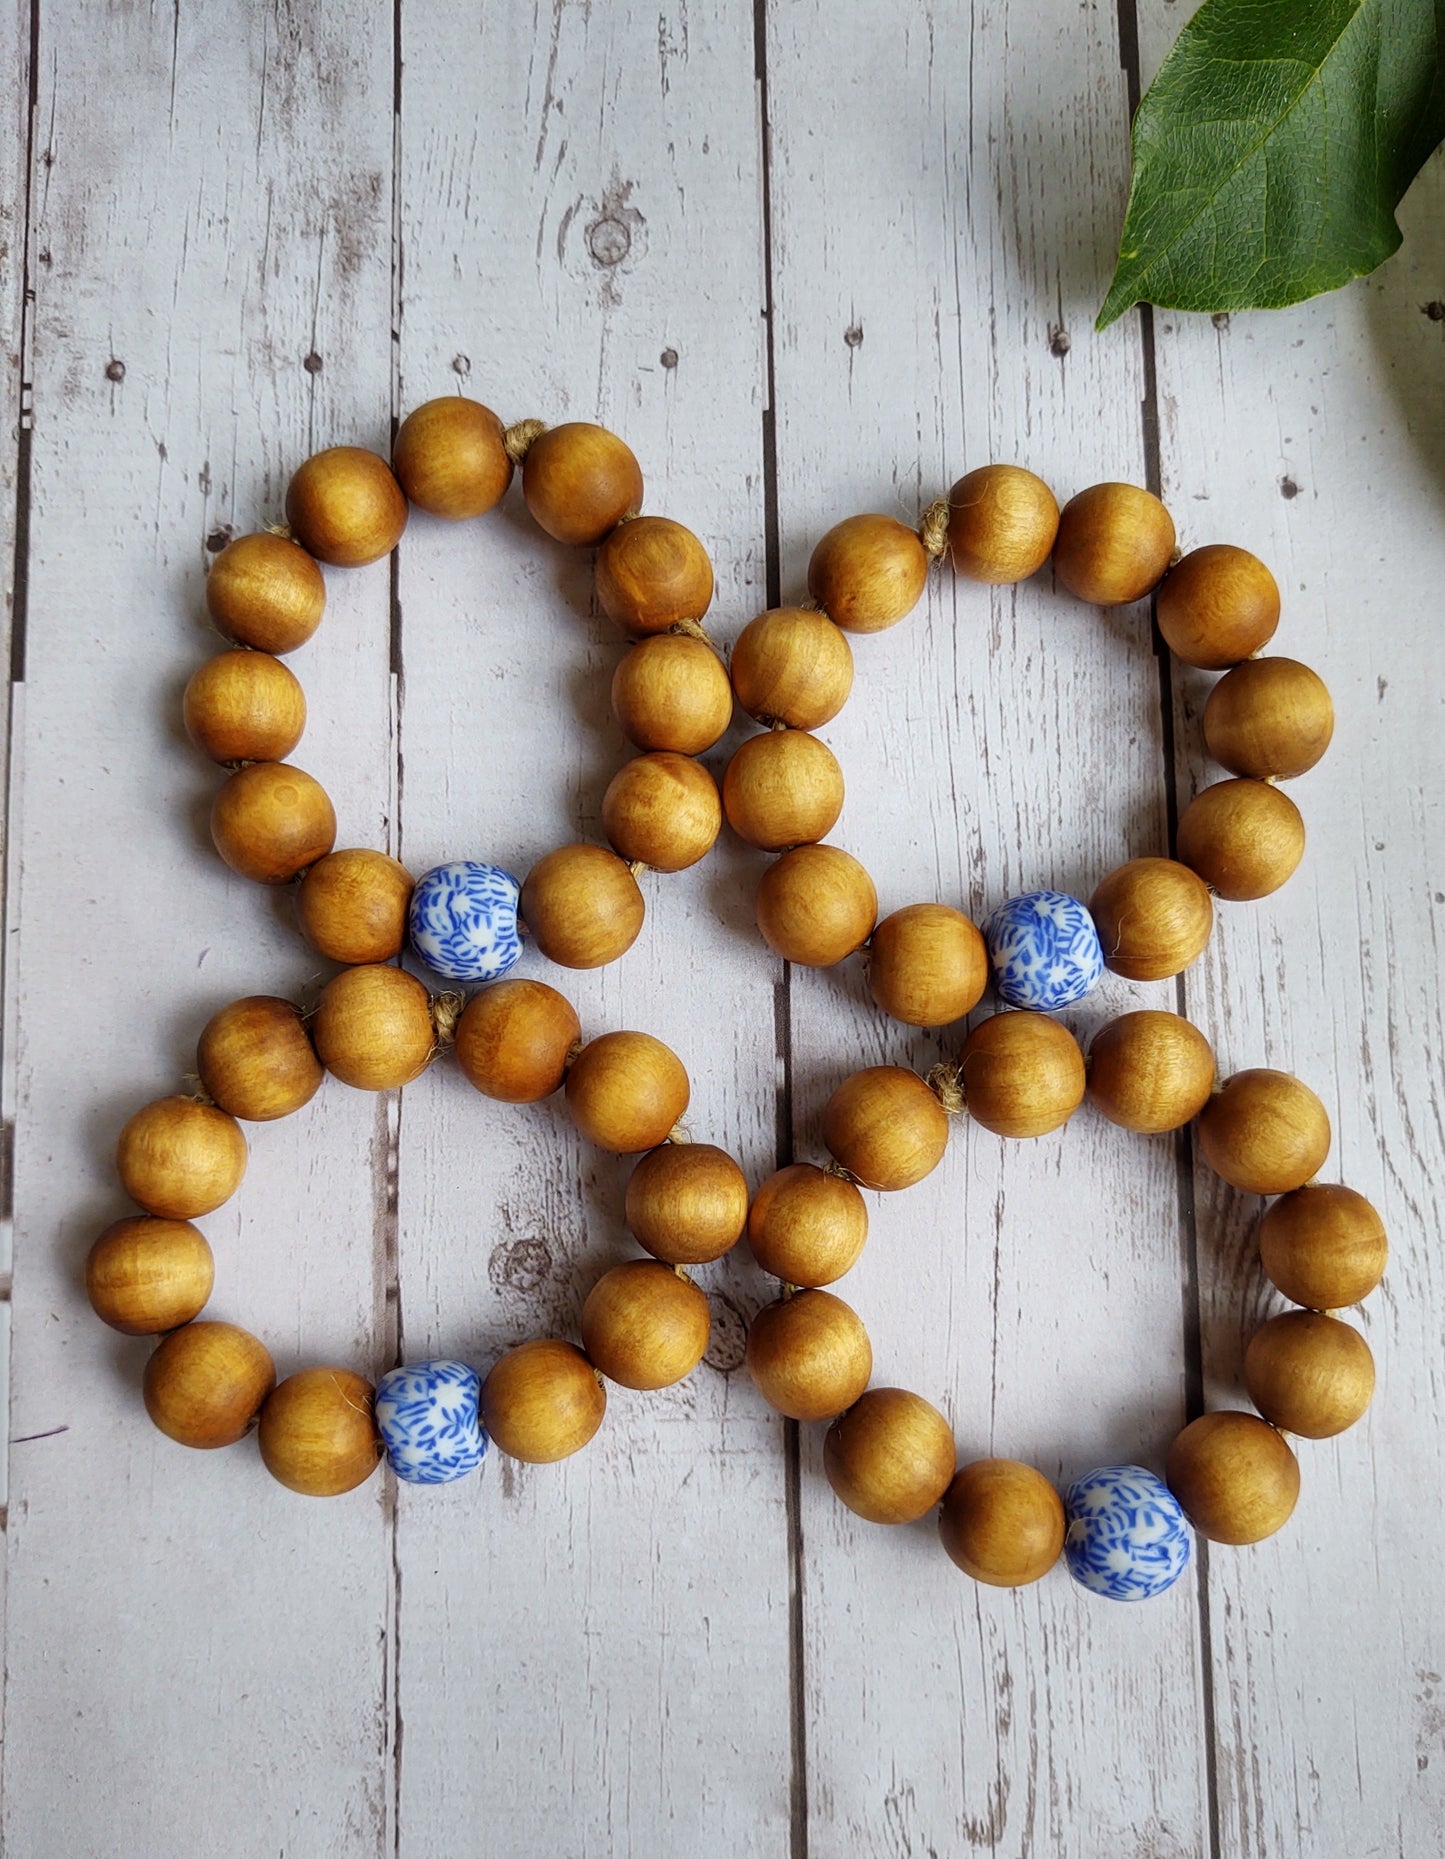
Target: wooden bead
582,906
317,1432
269,821
265,591
651,573
1022,1074
816,905
450,460
1235,1478
1324,1246
179,1158
244,707
1002,1522
806,1226
1309,1373
1217,605
373,1027
255,1059
1264,1132
542,1401
687,1203
782,789
809,1356
672,692
792,665
206,1383
662,809
927,965
345,506
1002,522
513,1039
1244,838
352,906
1269,717
643,1326
1150,1071
580,481
890,1458
868,572
1114,544
146,1275
885,1127
626,1091
1154,917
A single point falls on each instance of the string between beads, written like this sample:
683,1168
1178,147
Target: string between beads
519,437
933,529
946,1083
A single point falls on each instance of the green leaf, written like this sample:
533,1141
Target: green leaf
1272,148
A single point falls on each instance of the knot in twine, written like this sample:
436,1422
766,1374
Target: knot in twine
196,1091
446,1010
834,1167
517,438
933,528
946,1083
694,629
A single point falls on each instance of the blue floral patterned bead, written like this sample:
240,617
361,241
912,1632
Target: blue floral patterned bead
464,920
1044,950
429,1418
1127,1537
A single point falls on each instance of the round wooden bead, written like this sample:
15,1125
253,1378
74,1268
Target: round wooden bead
927,965
1022,1074
352,906
373,1027
179,1158
1002,1522
269,821
145,1275
1114,544
579,481
244,707
890,1458
644,1326
1217,605
1264,1132
1236,1479
1002,522
1324,1246
868,572
1309,1373
662,809
1244,838
542,1401
1150,1071
449,458
885,1127
206,1383
672,692
1153,916
1269,716
792,665
686,1203
266,592
626,1091
816,905
806,1226
317,1432
513,1039
345,506
582,906
782,789
255,1059
809,1356
651,573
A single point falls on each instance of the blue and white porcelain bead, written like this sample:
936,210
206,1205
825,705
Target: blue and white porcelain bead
1127,1537
464,920
1044,950
429,1418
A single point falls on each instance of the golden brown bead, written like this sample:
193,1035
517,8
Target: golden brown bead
885,1127
782,789
582,906
1002,1522
890,1458
816,905
1243,838
317,1432
1002,522
1235,1478
927,965
672,692
806,1226
345,506
1324,1246
1114,544
651,573
449,458
269,821
1153,916
179,1158
266,592
686,1203
626,1091
579,481
513,1039
868,572
1264,1132
1150,1071
662,809
244,707
643,1326
373,1027
1269,717
792,665
206,1383
352,906
1309,1373
542,1401
1022,1074
145,1275
809,1356
1217,605
255,1059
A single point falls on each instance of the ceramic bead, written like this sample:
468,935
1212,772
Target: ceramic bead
463,920
429,1418
1127,1537
1044,950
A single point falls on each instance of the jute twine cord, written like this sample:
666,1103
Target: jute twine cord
518,438
933,529
446,1010
946,1083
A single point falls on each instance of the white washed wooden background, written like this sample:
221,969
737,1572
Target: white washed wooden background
816,262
